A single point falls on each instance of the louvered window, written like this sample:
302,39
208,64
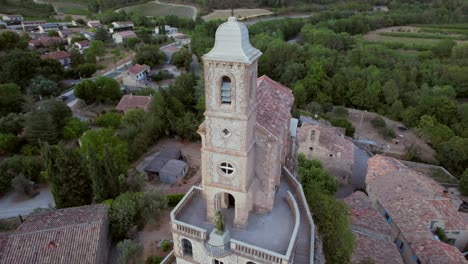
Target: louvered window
226,90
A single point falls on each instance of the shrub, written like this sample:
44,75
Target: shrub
165,245
441,234
22,185
74,128
174,199
340,111
378,122
341,122
29,150
111,120
10,167
8,143
153,260
464,183
128,251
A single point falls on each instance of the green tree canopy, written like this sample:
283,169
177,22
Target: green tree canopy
10,99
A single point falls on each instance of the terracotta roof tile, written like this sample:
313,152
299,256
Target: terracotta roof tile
126,34
129,101
274,106
71,235
137,68
57,55
413,201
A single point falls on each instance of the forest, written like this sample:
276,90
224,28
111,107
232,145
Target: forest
424,86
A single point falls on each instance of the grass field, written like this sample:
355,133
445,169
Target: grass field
421,37
157,9
242,13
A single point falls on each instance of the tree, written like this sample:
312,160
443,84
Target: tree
43,87
464,183
129,250
134,117
39,126
96,49
52,33
132,43
433,131
11,123
444,48
454,155
152,205
86,69
109,120
390,91
107,157
101,34
76,58
10,99
8,143
19,67
150,55
124,214
86,90
58,110
74,128
182,58
107,89
341,122
68,175
10,167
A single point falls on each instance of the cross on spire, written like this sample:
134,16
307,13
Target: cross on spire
232,7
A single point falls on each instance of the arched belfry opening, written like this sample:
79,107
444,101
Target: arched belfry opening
226,90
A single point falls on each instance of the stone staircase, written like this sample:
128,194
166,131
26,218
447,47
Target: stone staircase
303,239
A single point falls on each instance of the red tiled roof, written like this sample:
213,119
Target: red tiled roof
84,43
129,101
137,68
58,55
413,201
71,235
274,106
373,234
126,34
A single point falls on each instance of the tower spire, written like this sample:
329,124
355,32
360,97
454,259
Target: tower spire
232,7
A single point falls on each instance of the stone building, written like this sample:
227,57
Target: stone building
246,143
414,205
329,145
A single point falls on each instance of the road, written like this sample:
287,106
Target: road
12,204
254,21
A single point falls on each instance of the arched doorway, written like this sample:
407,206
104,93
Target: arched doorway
226,204
187,248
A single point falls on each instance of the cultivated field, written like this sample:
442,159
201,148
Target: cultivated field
157,8
240,13
423,35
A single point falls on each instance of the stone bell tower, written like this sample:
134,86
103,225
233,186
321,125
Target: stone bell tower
228,133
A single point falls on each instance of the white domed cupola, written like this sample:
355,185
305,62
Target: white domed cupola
232,44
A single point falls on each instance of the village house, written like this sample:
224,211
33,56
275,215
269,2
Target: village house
329,145
246,142
64,33
44,42
32,25
167,167
122,37
44,28
64,57
119,26
373,236
88,35
168,30
72,235
181,39
94,24
136,76
129,101
12,18
415,206
82,45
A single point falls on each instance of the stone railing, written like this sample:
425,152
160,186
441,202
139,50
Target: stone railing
297,220
184,228
268,256
218,251
169,259
257,253
305,205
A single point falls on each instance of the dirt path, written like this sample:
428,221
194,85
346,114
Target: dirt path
153,234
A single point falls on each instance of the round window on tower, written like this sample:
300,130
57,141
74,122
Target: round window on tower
226,169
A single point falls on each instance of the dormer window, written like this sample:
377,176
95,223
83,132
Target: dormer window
226,90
